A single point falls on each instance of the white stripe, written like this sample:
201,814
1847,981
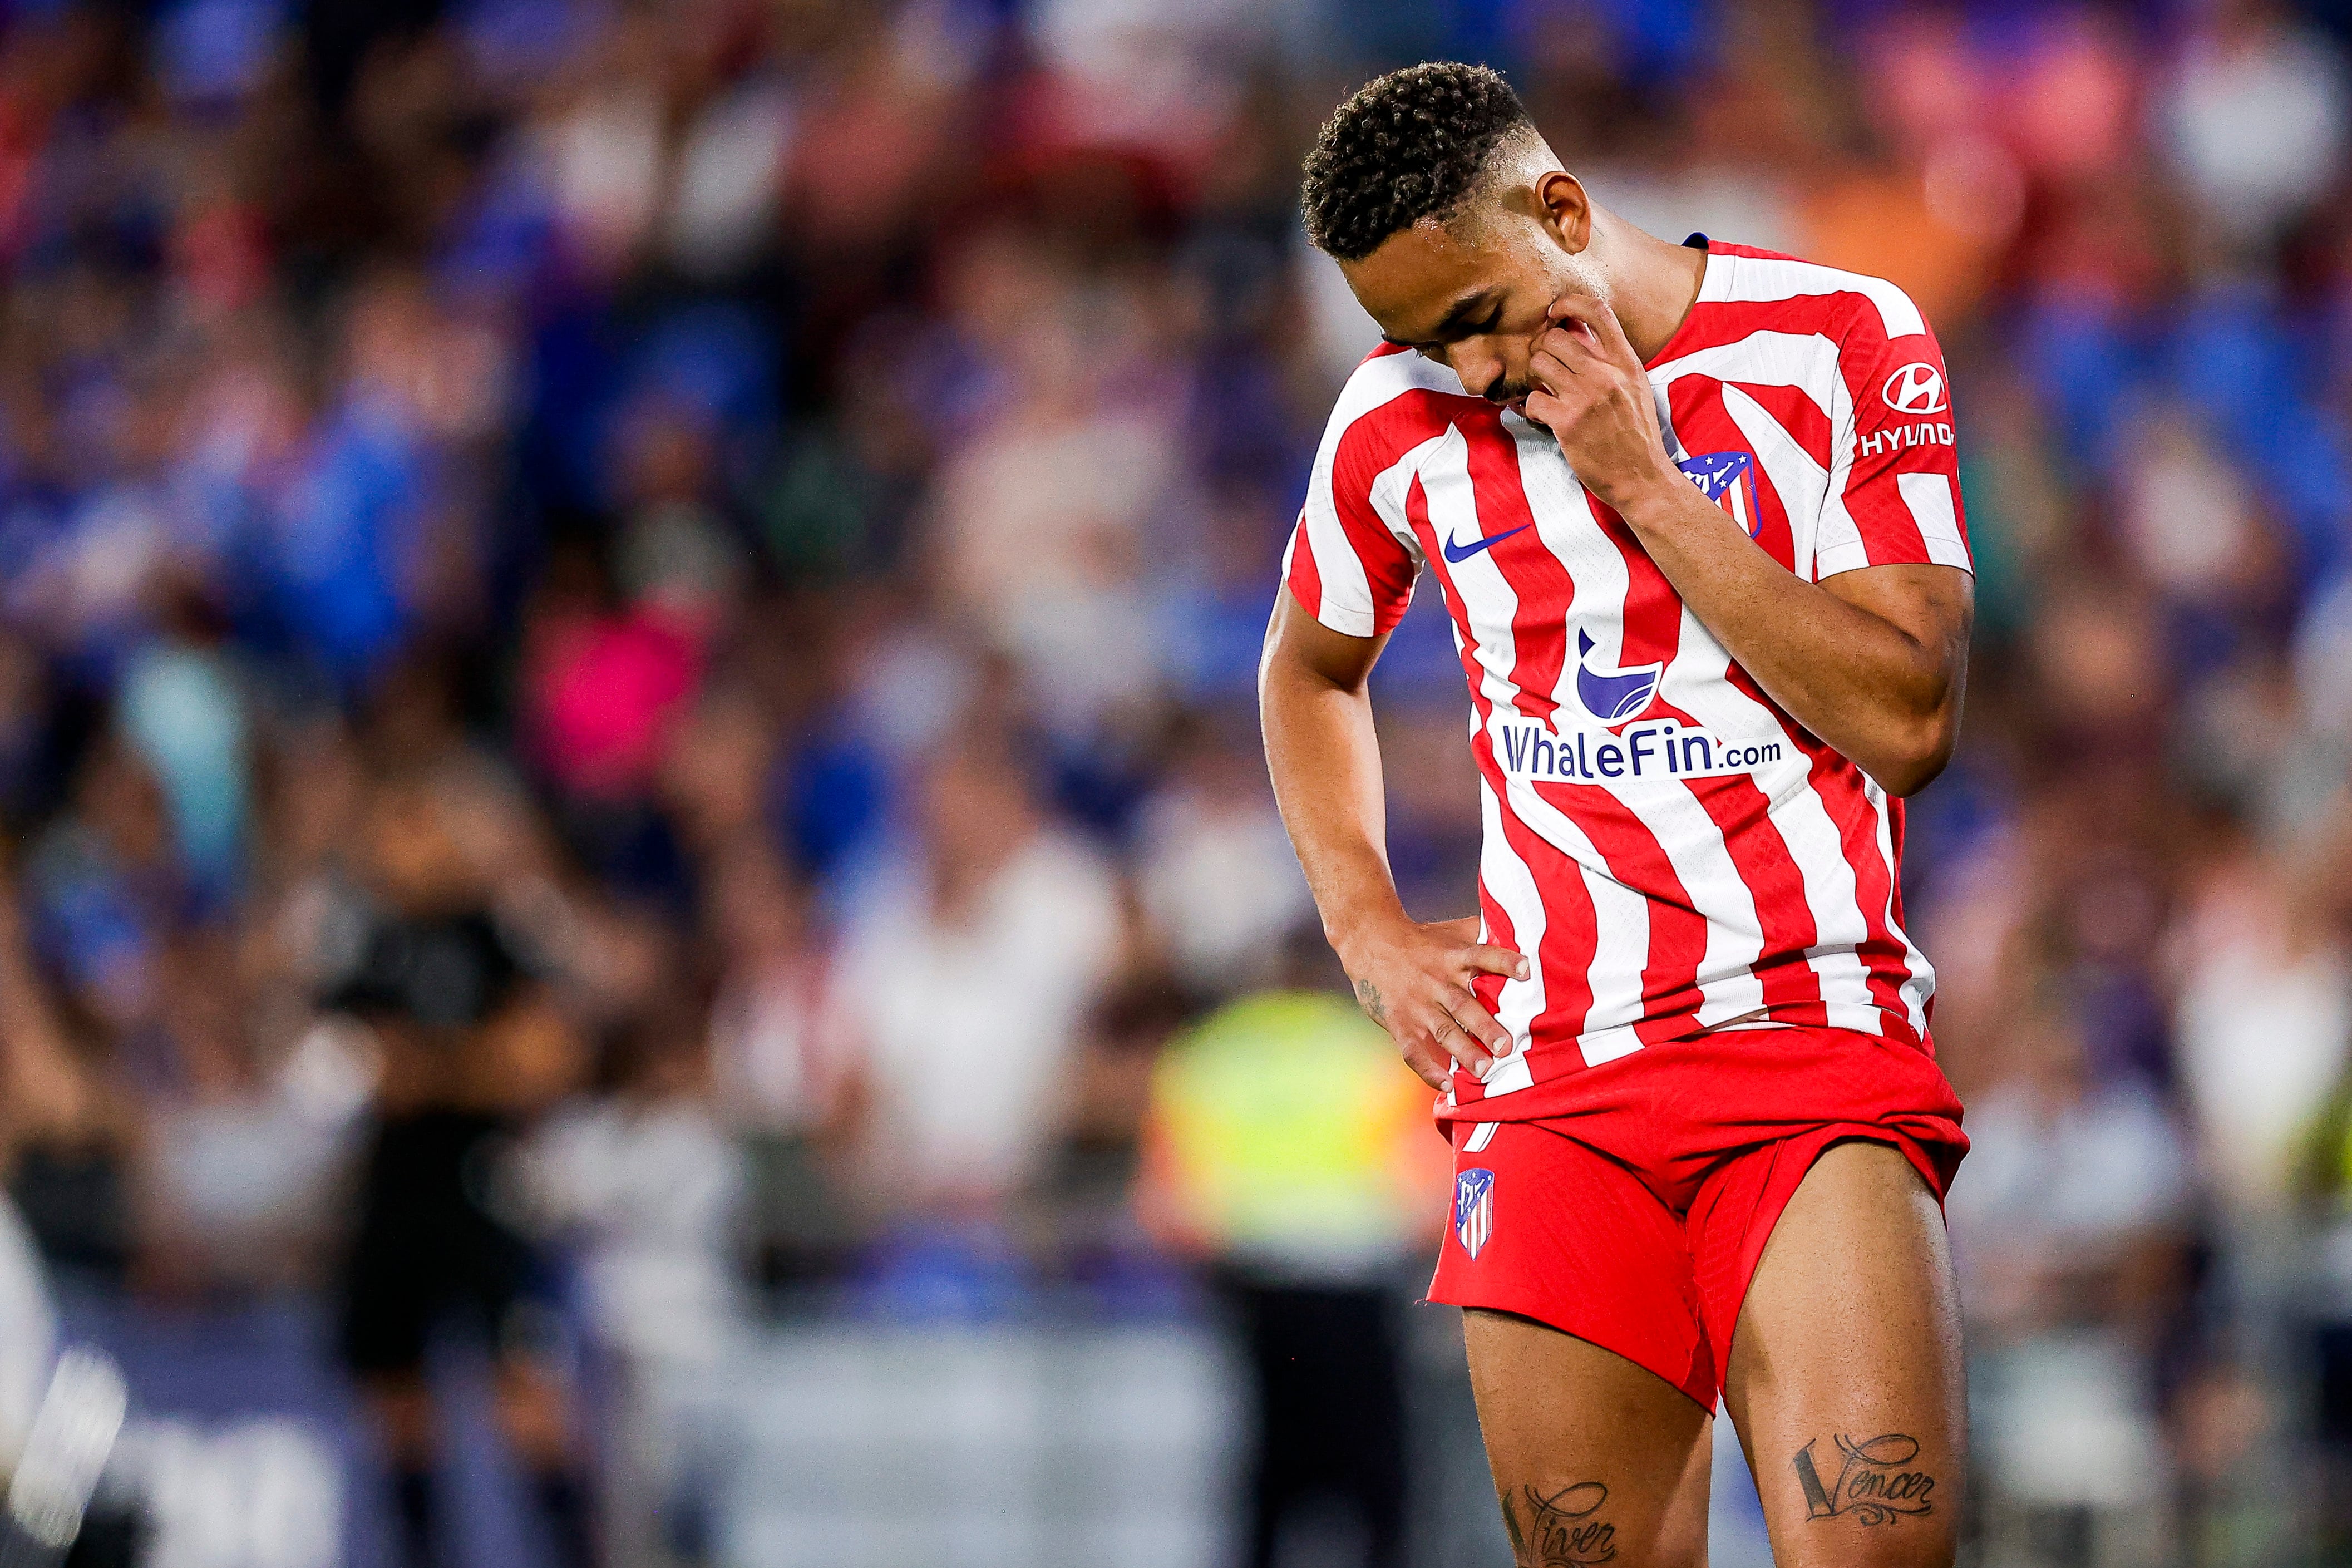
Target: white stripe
1920,981
1480,1136
1805,361
1802,820
1508,881
1837,539
1930,499
1347,590
1507,1077
1801,483
1694,845
1766,278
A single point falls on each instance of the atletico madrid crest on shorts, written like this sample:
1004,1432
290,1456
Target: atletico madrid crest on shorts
1473,1209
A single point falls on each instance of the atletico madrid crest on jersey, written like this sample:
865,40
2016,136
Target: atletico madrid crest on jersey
1473,1209
1728,479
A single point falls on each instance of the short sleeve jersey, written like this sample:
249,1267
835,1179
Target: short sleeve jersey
1670,849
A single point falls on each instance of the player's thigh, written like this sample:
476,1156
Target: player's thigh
1595,1459
1845,1376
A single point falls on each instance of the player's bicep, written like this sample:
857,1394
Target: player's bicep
1297,643
1934,605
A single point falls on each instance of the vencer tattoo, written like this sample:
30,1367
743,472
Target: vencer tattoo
1875,1482
1560,1531
1370,995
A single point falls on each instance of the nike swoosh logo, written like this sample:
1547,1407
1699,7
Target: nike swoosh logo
1461,553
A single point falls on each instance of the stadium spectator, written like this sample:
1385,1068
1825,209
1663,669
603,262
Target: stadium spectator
961,988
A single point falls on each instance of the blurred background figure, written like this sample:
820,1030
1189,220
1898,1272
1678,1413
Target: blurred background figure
1285,1151
471,1043
755,521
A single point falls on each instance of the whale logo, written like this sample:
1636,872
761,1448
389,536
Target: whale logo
1612,696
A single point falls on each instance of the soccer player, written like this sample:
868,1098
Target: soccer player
1695,513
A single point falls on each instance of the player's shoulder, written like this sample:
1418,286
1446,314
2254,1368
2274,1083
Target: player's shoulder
1394,399
1392,371
1860,311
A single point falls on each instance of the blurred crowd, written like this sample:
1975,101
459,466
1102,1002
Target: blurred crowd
771,506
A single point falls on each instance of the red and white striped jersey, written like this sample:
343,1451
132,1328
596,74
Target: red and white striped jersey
1669,847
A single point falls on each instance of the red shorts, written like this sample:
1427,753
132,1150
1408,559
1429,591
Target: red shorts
1636,1219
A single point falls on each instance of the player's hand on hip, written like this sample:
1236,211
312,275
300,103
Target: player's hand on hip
1591,393
1414,980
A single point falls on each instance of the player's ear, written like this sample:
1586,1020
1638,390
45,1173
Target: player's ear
1566,210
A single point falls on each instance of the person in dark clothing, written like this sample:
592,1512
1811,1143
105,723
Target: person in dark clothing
473,1043
1327,1365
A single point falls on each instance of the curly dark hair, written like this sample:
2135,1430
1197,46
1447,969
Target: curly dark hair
1408,145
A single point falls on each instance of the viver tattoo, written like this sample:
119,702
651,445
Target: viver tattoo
1560,1529
1370,995
1877,1482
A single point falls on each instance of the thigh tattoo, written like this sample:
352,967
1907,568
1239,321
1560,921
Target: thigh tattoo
1876,1481
1561,1531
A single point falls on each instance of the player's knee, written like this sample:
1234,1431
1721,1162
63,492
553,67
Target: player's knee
1903,1543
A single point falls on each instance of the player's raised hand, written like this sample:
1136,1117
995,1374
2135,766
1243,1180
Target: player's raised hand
1414,980
1594,396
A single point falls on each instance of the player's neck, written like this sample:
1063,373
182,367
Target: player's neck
1652,283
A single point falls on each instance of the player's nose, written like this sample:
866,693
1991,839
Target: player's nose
1477,363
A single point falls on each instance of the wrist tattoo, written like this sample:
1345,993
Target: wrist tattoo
1370,995
1878,1480
1560,1531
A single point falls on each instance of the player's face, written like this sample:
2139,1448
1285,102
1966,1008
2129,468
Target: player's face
1471,293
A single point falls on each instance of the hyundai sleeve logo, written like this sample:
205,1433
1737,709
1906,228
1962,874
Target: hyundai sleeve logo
1916,388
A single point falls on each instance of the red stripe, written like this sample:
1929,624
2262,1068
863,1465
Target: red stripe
1362,454
1704,424
1652,615
1572,933
1539,579
1791,410
1841,316
1890,534
1306,579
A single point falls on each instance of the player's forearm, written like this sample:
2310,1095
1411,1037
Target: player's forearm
1885,698
1324,757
